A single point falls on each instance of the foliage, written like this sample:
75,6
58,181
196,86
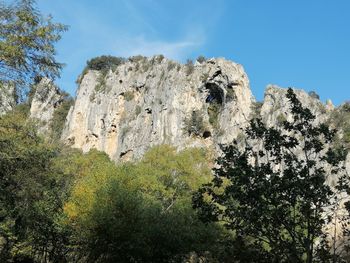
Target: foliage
27,44
201,59
171,65
140,212
230,94
213,112
104,63
59,117
281,118
340,118
32,190
189,67
273,194
129,95
314,95
195,124
256,109
138,110
137,58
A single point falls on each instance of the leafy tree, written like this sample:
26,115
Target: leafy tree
275,194
140,212
104,63
27,43
59,116
32,190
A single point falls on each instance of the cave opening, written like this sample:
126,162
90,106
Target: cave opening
206,134
216,94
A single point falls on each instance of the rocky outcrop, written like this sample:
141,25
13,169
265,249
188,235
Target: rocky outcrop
154,101
46,99
275,108
7,98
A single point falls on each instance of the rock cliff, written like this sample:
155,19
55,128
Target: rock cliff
154,101
144,102
7,98
46,99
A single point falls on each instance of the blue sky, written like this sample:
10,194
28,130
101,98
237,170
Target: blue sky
299,43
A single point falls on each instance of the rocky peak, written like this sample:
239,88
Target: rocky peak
275,108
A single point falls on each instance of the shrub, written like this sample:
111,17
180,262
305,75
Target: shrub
256,109
230,94
195,125
204,77
137,58
104,62
189,67
137,110
281,119
213,112
59,117
314,95
128,95
201,59
171,65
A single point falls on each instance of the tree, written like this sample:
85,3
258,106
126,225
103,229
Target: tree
32,189
27,44
275,194
140,212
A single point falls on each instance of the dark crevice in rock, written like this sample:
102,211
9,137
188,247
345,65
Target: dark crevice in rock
124,154
216,94
206,134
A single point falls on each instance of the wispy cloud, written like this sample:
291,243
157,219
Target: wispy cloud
177,50
127,28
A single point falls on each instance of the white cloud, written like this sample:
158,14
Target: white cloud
177,50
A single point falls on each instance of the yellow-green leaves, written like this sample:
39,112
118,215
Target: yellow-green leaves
27,44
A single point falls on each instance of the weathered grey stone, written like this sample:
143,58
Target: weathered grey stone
47,97
146,103
7,98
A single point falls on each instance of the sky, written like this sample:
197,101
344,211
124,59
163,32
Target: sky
296,43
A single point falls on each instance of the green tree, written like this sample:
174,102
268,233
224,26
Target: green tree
275,193
27,44
140,212
32,190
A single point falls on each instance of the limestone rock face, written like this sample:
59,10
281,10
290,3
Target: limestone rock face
46,99
155,101
275,108
7,98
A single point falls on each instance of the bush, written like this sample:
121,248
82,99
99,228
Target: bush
213,112
201,59
140,212
314,95
137,110
137,58
104,62
195,125
256,109
189,67
59,117
128,95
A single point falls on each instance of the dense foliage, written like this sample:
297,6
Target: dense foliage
281,191
104,62
32,189
27,43
59,205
